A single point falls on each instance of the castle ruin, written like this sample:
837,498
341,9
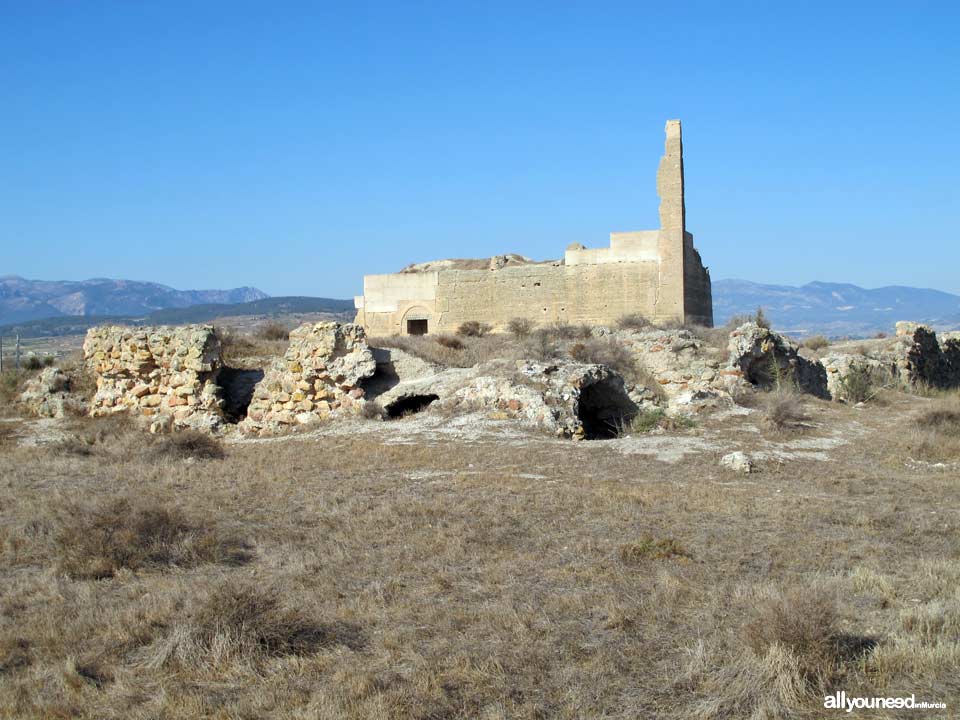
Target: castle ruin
654,273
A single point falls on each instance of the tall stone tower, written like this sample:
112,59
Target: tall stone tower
673,214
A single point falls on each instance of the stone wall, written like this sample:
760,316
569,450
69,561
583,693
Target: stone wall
655,273
167,374
319,375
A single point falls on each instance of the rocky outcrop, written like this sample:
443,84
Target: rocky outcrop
320,375
167,374
50,394
767,359
567,399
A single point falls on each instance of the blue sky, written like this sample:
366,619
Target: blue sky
296,146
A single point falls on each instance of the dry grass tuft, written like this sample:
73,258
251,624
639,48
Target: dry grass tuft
633,321
651,548
609,352
449,341
783,409
273,331
240,621
185,444
520,327
96,540
816,342
473,328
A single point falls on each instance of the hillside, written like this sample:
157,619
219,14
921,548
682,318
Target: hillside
24,300
835,309
276,306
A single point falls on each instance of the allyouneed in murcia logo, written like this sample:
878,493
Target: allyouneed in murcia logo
841,701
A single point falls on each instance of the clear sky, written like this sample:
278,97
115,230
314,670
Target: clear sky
296,146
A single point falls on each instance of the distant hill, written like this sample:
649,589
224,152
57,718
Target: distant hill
835,309
274,306
23,300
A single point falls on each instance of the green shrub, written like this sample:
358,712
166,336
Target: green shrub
860,383
816,342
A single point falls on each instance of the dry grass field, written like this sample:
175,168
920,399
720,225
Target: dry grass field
430,568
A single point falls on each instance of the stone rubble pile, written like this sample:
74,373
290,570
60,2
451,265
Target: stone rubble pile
319,376
50,394
166,374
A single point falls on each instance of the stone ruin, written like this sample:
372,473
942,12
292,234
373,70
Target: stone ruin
175,377
166,374
320,374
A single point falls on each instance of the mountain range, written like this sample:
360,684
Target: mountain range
835,309
23,300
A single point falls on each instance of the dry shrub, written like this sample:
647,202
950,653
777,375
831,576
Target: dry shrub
99,539
520,327
449,341
541,346
609,352
860,383
185,444
248,623
426,348
803,620
633,321
651,548
934,435
816,342
273,331
372,410
783,409
473,328
7,434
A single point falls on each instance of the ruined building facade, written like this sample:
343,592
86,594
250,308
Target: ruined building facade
656,273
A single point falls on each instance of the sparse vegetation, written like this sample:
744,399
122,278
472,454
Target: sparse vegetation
557,579
520,328
97,540
651,548
185,444
372,410
816,342
860,383
633,321
247,624
760,318
609,352
783,409
273,331
449,341
473,328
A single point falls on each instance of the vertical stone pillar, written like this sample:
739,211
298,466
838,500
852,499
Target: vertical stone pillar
670,245
670,181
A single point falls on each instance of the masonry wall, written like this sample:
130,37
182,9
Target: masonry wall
165,373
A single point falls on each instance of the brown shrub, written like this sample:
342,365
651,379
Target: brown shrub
816,342
273,331
520,328
803,620
609,352
185,444
449,341
246,622
372,410
473,328
633,321
541,346
783,409
97,540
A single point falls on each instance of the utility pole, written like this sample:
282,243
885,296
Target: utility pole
18,351
1,353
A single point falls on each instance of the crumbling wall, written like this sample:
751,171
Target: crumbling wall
320,374
167,374
767,359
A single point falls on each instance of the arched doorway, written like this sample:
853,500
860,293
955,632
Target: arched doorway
416,321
